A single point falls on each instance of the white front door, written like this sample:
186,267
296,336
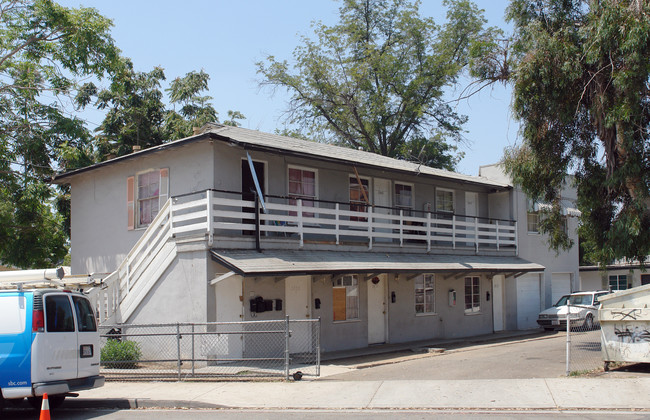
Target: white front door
377,309
497,302
471,204
381,195
229,309
297,296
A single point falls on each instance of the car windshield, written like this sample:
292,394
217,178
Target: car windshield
562,301
575,300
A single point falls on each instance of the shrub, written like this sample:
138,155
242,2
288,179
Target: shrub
120,354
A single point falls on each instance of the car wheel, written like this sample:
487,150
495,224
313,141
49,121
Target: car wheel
589,322
549,329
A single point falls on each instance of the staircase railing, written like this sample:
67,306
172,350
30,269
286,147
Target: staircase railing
124,285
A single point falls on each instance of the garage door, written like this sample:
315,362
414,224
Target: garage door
528,306
560,286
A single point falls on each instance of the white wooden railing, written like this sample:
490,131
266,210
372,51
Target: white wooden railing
125,287
334,222
209,214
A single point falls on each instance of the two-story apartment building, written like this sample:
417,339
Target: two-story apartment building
233,224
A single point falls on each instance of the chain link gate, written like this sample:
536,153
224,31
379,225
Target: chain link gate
238,350
583,346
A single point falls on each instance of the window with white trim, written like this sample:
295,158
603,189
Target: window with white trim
358,195
618,282
404,196
146,193
472,295
345,294
444,200
302,185
532,216
425,294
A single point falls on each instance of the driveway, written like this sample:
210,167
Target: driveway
541,357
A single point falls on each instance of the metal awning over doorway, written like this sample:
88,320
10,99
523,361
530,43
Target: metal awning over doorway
277,263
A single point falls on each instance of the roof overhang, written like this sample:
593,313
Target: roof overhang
276,263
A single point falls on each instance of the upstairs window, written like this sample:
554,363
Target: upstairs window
302,185
358,196
147,192
444,200
404,196
532,216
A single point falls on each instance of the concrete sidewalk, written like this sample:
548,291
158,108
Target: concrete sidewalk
603,392
539,394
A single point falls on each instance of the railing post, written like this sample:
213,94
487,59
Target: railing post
453,231
286,347
476,232
178,349
401,227
369,227
337,218
300,224
428,231
257,224
497,235
516,239
210,223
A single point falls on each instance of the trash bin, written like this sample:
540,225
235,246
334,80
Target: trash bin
625,326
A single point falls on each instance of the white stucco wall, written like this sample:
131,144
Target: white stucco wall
100,239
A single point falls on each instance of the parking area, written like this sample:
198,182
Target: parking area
542,356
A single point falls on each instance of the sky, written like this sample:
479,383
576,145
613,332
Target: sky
226,38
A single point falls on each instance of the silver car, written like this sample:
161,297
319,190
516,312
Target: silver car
583,311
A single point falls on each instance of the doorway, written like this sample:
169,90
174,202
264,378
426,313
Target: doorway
377,309
381,195
297,296
248,189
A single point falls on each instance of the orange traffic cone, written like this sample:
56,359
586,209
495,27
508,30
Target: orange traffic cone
45,408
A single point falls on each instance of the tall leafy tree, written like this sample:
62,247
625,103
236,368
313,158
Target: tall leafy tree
581,76
376,79
134,110
44,49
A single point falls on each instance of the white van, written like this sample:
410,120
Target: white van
49,343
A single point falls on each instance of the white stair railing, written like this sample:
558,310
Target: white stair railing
125,282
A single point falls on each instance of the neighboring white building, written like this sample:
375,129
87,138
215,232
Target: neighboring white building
617,276
381,250
538,291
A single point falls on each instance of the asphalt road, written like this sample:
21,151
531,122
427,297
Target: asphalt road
321,414
542,357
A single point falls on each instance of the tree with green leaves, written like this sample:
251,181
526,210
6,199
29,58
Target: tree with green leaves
44,50
376,79
581,76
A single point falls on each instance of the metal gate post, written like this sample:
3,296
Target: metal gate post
568,337
318,348
286,347
178,349
193,355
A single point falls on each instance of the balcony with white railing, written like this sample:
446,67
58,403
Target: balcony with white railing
232,221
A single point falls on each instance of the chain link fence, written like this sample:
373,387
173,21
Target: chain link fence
583,344
239,350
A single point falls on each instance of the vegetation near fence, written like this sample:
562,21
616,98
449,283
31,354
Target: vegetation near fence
283,348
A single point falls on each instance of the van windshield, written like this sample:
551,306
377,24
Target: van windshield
85,314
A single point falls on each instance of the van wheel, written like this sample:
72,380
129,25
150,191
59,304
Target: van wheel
54,401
